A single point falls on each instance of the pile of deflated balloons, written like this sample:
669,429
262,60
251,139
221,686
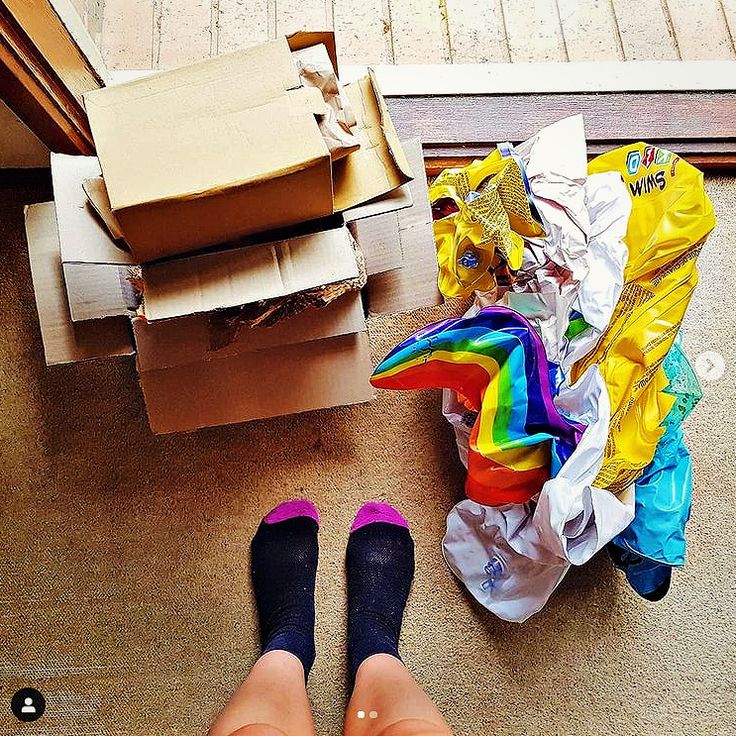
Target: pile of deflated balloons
565,382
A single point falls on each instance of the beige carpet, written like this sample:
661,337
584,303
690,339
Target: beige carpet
123,556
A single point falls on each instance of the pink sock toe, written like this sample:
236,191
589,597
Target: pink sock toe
292,509
373,511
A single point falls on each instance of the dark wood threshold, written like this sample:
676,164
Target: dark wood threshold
700,126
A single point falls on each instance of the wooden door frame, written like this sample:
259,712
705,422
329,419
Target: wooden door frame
47,62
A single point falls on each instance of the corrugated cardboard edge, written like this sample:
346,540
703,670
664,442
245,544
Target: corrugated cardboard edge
100,290
203,283
63,340
197,338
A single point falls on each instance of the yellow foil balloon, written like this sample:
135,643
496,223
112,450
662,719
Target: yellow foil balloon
493,213
670,219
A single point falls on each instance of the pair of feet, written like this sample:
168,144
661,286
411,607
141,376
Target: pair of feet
380,568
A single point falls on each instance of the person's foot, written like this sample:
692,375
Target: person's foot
380,568
284,555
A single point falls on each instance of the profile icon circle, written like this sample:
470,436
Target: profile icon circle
28,704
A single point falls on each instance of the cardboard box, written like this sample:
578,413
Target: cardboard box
209,368
213,151
97,269
317,359
414,284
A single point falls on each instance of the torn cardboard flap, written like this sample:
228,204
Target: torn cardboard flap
99,290
192,339
241,276
379,166
64,341
379,239
254,385
96,192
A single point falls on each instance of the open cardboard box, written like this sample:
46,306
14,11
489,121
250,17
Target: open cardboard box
230,146
206,369
98,272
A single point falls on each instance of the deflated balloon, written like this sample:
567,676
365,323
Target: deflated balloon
496,362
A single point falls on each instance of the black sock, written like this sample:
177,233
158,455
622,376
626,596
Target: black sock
284,566
380,568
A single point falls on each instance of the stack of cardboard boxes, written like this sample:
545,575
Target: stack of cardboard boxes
230,239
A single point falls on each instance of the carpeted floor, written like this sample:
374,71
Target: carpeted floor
123,556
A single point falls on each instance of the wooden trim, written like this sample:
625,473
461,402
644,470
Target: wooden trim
617,116
433,165
43,75
548,77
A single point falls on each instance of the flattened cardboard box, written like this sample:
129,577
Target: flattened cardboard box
266,383
261,372
414,285
219,335
333,358
216,150
63,340
95,267
246,275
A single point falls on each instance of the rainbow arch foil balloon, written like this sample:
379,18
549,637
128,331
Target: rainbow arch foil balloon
496,362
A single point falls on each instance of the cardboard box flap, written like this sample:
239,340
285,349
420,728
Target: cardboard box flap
379,166
198,337
265,383
204,128
304,39
244,275
389,132
414,285
64,341
82,235
96,193
310,98
398,199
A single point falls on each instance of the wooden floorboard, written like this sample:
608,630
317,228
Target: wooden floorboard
240,23
418,32
533,30
477,31
183,32
644,30
590,30
136,33
701,29
300,15
363,31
